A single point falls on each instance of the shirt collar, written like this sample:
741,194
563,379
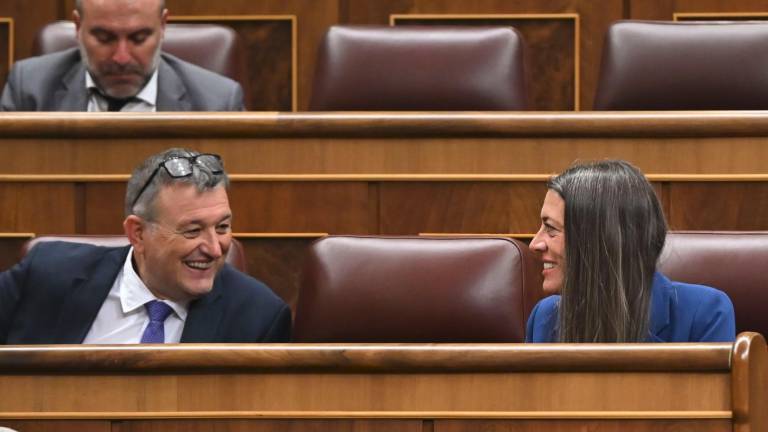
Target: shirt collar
134,293
148,93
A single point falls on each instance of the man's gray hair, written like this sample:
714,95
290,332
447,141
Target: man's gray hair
202,178
79,7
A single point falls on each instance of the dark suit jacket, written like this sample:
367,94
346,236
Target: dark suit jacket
55,293
680,312
56,82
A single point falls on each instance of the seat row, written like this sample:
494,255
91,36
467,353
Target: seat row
473,289
646,65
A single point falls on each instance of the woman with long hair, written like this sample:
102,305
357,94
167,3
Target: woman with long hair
601,235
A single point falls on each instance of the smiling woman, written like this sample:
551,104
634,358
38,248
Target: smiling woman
601,236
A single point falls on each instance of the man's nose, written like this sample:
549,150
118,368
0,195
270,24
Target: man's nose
211,245
122,54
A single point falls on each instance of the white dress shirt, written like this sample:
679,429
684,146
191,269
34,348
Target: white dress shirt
123,317
144,101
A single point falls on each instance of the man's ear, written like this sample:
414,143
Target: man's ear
76,18
163,18
135,229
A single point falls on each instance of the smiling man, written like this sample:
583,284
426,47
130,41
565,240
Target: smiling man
171,284
118,66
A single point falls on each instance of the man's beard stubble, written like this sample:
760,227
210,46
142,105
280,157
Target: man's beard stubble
112,68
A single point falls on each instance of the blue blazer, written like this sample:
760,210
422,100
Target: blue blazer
680,312
55,293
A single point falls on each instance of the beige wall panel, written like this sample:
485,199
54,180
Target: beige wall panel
42,208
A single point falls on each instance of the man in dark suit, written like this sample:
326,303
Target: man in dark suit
170,285
118,66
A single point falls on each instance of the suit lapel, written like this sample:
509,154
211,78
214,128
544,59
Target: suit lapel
171,93
88,294
72,95
204,317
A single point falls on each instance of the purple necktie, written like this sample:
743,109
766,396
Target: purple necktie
155,331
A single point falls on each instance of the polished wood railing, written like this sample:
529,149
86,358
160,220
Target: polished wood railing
638,387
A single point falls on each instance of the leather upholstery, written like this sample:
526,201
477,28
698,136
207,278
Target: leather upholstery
210,46
235,256
661,65
419,68
416,289
734,262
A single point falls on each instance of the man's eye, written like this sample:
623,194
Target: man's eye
103,37
139,38
223,228
191,233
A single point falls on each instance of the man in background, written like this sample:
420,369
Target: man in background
118,66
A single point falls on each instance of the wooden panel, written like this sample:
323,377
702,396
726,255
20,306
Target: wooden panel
6,48
312,16
42,208
103,208
10,249
466,207
353,392
269,47
29,16
551,42
390,143
330,207
655,425
719,206
334,207
666,9
269,426
58,425
277,261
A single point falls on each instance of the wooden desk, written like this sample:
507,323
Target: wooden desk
298,175
417,388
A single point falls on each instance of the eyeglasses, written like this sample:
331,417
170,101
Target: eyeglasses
182,166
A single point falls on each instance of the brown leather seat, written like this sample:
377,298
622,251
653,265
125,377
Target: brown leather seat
416,289
210,46
657,65
734,262
419,68
235,256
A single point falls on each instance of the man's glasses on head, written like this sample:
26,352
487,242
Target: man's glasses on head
183,166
